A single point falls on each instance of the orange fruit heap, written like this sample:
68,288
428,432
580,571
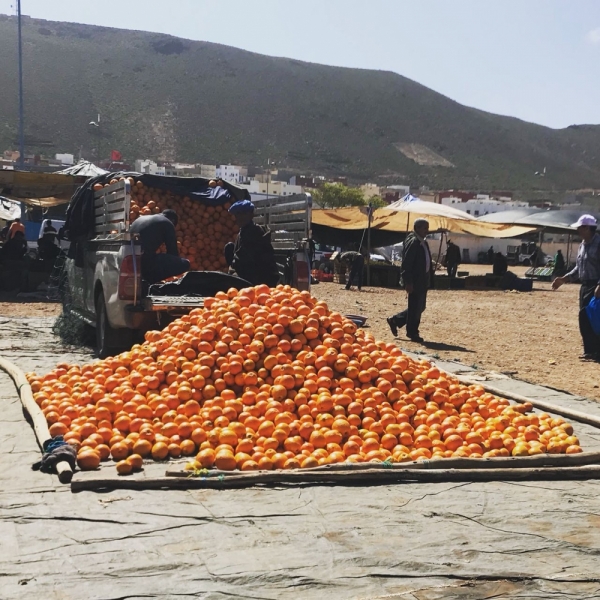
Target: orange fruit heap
202,230
272,379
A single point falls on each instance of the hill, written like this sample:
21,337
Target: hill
174,99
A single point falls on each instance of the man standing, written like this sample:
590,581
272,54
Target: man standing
356,260
559,264
154,231
587,271
417,275
452,258
252,256
16,226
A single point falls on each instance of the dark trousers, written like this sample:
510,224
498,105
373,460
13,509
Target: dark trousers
411,317
591,342
156,267
452,270
356,272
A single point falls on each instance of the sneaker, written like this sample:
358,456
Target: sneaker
589,356
392,326
416,338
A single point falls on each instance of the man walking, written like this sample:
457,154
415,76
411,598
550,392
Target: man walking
587,271
417,275
452,258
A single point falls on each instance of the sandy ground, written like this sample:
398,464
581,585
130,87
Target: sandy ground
531,336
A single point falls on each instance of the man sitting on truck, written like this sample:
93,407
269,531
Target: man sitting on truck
154,231
252,256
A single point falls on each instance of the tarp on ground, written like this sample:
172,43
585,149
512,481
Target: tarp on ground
397,221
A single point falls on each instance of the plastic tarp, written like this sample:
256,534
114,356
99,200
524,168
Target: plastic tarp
548,220
9,209
83,168
395,220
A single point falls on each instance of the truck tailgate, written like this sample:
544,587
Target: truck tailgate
170,303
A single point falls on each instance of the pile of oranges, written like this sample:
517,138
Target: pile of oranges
272,379
202,230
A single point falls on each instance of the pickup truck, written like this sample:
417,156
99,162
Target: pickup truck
102,284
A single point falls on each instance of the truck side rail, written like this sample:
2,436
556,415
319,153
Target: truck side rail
288,217
111,208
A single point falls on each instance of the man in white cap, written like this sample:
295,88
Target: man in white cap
587,272
417,274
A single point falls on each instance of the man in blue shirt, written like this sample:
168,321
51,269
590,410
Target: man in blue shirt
587,272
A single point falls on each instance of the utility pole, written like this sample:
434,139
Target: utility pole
21,117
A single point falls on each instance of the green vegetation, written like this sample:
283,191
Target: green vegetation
165,98
335,195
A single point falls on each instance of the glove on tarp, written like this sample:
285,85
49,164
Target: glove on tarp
55,451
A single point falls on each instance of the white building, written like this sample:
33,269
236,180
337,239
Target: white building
271,188
208,171
232,173
65,159
370,190
148,166
483,205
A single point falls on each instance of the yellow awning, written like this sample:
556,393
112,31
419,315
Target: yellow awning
391,220
39,189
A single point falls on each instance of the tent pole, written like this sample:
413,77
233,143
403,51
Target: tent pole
370,209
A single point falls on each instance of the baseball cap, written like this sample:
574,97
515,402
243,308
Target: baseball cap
585,221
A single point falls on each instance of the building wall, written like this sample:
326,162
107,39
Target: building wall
273,188
482,206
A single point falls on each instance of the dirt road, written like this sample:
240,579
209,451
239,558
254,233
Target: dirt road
533,336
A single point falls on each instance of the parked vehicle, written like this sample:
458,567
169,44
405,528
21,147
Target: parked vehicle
103,285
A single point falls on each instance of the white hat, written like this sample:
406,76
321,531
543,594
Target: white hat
585,220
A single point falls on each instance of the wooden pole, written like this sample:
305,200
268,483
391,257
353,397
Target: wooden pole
372,476
40,426
370,209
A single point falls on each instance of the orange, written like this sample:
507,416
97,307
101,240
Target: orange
124,467
88,460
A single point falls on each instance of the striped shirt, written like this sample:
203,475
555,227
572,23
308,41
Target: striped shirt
587,267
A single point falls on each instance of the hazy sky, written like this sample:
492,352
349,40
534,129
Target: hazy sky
538,60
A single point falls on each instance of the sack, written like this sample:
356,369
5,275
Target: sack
593,313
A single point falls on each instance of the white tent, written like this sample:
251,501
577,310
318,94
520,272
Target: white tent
83,169
413,205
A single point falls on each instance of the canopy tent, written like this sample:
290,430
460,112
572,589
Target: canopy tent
39,189
83,168
397,220
508,217
9,209
412,204
551,221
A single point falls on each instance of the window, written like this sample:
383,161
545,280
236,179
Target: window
476,213
468,212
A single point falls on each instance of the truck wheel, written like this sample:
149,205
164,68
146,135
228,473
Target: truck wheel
107,338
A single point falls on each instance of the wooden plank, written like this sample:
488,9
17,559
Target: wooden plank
380,476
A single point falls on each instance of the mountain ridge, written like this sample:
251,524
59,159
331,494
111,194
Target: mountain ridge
168,98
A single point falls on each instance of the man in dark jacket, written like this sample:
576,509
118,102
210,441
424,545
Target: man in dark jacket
154,231
452,259
417,274
356,260
251,257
